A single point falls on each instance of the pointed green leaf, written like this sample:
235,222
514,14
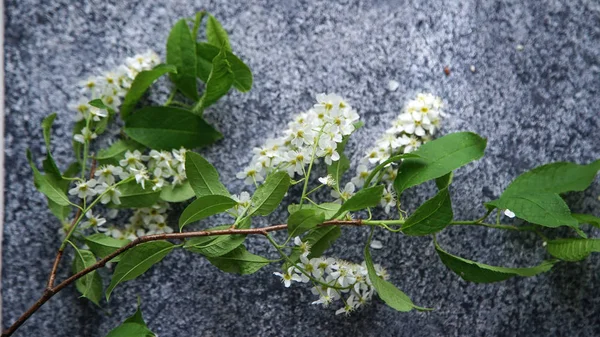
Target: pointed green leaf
218,245
103,245
205,54
177,193
573,249
166,128
130,330
239,261
439,157
433,216
269,195
47,128
218,83
444,181
62,212
203,177
90,285
546,209
143,80
391,295
204,207
47,185
329,209
303,221
181,53
587,219
367,197
216,35
138,260
134,196
483,273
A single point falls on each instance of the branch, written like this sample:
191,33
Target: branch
51,291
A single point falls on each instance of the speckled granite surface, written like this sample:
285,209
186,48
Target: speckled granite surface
537,105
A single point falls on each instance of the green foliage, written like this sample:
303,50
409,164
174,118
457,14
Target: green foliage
133,195
140,84
177,193
216,35
204,207
534,195
391,295
206,53
269,195
62,212
394,159
103,245
239,261
304,220
367,197
203,177
181,53
219,245
219,82
90,285
483,273
572,249
134,326
48,185
166,128
319,240
138,260
329,209
438,158
433,216
587,219
117,150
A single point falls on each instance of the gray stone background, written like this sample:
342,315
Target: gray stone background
535,105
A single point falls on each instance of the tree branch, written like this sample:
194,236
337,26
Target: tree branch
51,290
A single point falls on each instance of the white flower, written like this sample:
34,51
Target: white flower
93,221
348,307
85,136
132,160
362,173
141,176
509,213
250,175
345,193
159,228
288,277
303,245
84,189
243,200
107,173
328,149
388,199
328,180
109,193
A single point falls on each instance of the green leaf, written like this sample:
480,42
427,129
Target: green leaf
47,128
216,35
394,159
143,80
546,209
204,207
329,209
130,330
573,249
47,185
218,83
218,245
181,53
137,260
117,150
367,197
197,21
62,212
556,178
166,128
89,285
587,219
304,220
177,193
444,181
134,196
338,168
103,245
483,273
269,195
439,157
433,216
203,177
205,53
239,261
391,295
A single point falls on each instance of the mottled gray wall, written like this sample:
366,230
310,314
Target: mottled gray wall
536,105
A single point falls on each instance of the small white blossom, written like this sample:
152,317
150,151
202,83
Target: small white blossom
85,136
344,194
84,189
327,180
93,221
509,213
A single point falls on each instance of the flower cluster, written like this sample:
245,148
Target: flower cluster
313,134
162,168
144,221
110,88
332,279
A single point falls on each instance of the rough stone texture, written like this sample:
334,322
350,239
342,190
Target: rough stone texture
535,106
